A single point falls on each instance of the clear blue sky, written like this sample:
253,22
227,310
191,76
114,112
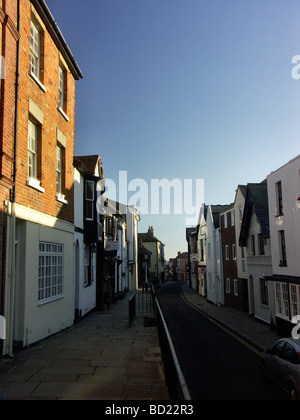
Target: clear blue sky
185,89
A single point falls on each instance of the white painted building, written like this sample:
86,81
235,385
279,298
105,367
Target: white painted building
87,173
132,220
201,240
284,211
43,251
255,237
121,242
214,261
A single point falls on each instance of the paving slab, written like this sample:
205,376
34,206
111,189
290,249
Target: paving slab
100,358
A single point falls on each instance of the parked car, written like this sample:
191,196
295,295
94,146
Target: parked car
281,364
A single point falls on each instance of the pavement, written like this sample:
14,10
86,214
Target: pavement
99,358
102,358
251,330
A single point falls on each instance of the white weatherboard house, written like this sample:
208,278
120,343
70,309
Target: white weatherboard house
284,212
255,237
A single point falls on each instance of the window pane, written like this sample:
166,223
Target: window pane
34,50
32,149
50,282
89,190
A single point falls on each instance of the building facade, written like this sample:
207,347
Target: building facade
229,249
201,248
88,237
9,84
255,237
156,247
241,289
214,261
284,212
39,298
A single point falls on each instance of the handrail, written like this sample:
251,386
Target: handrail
132,309
181,378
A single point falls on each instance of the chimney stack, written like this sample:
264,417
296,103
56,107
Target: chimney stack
151,230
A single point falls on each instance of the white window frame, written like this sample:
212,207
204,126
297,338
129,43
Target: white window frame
281,299
295,299
32,150
89,199
234,252
61,88
225,221
232,215
35,50
227,252
58,170
236,287
228,286
51,272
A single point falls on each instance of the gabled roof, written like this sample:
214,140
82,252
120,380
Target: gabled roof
148,237
89,165
257,201
183,255
216,211
189,232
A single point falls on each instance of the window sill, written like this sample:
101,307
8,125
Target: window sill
37,81
53,299
36,184
63,114
61,198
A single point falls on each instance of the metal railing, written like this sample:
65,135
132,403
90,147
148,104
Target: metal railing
132,309
177,386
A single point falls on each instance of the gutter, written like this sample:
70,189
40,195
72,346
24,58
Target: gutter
58,37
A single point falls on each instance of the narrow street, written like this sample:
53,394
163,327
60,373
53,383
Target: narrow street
216,365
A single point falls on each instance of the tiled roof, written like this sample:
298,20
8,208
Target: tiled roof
87,164
257,201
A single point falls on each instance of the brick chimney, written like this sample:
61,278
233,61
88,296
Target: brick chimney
151,230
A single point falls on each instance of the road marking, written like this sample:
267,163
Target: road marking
218,324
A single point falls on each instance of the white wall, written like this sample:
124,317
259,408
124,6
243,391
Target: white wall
214,266
85,297
258,267
35,321
289,175
239,204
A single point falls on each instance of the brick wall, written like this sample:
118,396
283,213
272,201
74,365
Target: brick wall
8,41
230,265
46,104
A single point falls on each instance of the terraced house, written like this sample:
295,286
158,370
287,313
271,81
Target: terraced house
9,41
39,278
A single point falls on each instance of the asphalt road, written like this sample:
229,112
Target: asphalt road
216,365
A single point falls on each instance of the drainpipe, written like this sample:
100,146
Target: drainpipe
10,282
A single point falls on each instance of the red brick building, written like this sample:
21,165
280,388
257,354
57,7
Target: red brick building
9,37
39,297
234,287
